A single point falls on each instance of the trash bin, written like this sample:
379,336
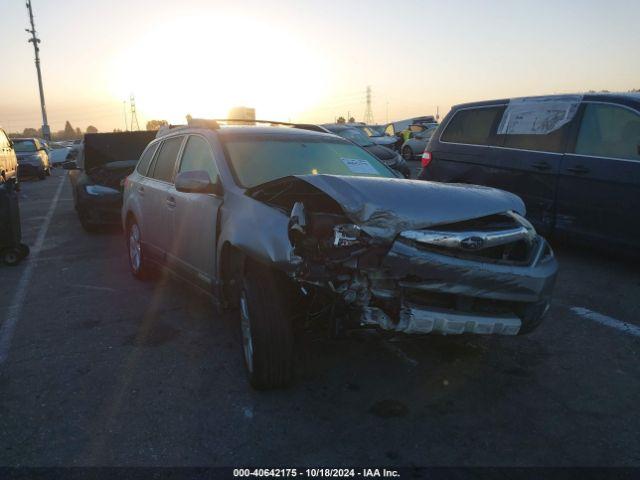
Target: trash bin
12,250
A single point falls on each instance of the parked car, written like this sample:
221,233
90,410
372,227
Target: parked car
420,135
59,155
97,187
394,128
286,225
386,155
574,160
33,159
8,159
375,135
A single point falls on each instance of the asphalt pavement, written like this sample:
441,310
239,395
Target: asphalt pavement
97,368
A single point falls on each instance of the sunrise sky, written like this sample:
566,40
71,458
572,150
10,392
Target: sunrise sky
305,60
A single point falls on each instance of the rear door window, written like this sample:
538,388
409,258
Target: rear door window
166,159
145,159
472,126
609,131
553,142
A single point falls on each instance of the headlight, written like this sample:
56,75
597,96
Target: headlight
100,190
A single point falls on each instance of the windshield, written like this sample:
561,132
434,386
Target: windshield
259,159
24,146
355,135
370,132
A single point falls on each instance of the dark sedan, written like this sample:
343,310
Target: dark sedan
386,155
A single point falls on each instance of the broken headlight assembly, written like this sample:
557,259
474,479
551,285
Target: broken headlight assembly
346,235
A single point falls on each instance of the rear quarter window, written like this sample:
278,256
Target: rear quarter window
472,126
145,159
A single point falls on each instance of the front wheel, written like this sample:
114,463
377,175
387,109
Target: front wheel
407,153
266,327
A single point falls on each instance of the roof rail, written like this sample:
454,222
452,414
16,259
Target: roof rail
214,124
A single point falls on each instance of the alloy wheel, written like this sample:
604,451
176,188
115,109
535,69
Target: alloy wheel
245,326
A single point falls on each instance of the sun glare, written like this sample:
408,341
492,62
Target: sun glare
205,65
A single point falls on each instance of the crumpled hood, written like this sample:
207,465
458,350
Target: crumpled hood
384,207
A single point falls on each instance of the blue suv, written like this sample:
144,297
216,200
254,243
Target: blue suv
573,159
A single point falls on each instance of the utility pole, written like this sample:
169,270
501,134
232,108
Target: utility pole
134,117
368,114
46,131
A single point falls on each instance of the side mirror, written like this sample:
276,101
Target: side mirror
197,181
70,165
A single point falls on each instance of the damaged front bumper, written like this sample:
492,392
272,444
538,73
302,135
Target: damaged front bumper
420,291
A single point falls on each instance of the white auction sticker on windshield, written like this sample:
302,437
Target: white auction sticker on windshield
357,165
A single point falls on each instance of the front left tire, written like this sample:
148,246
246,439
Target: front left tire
265,310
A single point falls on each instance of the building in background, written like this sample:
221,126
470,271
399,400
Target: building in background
243,113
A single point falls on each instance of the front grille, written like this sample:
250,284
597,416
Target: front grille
513,253
504,238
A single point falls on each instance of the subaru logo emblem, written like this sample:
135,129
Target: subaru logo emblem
472,243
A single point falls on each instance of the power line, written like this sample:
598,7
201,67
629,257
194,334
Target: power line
46,131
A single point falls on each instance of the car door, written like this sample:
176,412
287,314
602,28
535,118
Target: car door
193,236
599,183
5,150
528,165
463,152
156,188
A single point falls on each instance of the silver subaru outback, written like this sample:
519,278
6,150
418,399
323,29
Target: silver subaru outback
289,226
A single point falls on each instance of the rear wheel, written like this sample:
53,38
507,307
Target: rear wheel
407,153
42,175
266,327
137,263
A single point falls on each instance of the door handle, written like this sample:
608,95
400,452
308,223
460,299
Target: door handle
578,169
541,166
171,202
141,190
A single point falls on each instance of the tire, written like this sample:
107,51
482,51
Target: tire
137,263
407,153
42,175
266,327
12,256
49,172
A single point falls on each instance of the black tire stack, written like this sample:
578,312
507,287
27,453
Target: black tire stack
12,250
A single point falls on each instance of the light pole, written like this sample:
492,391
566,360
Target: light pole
46,131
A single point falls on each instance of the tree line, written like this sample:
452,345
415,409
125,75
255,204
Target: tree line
68,133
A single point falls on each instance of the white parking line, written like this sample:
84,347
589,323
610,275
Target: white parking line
607,321
15,308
